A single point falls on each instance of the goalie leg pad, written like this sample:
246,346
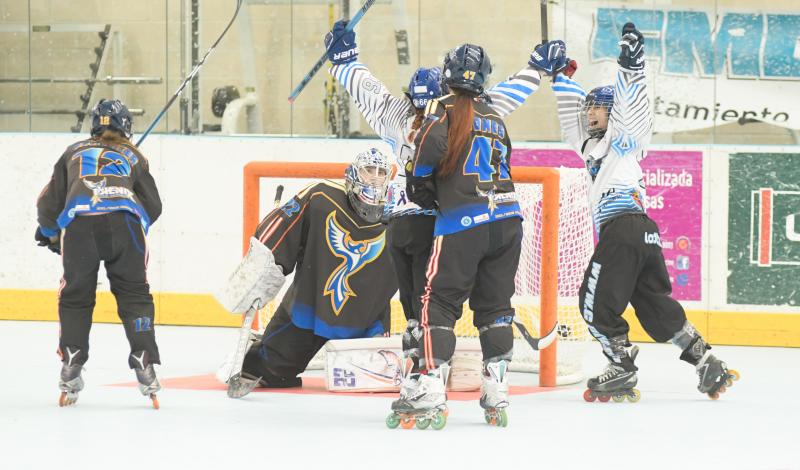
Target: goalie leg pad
256,281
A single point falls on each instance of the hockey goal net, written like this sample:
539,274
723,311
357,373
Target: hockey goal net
557,246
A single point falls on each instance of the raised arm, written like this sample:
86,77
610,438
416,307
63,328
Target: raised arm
570,97
508,95
631,118
384,112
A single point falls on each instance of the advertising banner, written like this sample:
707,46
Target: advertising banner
704,67
674,181
764,229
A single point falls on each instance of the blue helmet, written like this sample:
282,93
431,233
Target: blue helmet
111,114
600,97
425,85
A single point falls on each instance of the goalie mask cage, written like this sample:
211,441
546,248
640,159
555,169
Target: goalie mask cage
557,245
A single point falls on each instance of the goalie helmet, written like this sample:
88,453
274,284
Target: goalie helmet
467,67
367,182
111,114
425,85
601,98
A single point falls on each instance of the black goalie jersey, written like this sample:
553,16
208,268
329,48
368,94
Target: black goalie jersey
343,279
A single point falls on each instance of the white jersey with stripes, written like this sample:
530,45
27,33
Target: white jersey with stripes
618,187
391,117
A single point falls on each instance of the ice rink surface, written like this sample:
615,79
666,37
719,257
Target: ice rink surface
755,425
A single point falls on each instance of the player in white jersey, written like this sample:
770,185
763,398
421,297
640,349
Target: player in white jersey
396,120
611,128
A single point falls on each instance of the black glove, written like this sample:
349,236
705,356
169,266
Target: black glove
421,191
631,56
44,240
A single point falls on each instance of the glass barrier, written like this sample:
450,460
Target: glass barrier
719,71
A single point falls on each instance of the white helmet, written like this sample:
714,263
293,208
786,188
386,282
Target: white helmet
367,182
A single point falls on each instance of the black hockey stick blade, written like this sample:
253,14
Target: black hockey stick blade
239,386
318,65
190,76
536,343
278,195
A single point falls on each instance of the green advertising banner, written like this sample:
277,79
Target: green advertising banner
763,239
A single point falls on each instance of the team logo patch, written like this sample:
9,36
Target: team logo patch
355,255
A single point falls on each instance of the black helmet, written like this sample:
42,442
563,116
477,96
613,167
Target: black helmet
466,68
111,114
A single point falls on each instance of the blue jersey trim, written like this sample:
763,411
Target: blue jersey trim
513,86
465,217
303,317
48,232
423,170
83,205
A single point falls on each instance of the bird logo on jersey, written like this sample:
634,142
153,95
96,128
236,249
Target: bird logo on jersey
355,253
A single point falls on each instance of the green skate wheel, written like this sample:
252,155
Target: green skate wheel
438,421
618,398
488,417
423,423
502,418
635,397
392,421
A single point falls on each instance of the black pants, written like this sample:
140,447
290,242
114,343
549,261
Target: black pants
117,239
478,264
410,238
284,351
628,266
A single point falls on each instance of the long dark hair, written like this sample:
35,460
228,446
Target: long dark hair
419,116
458,131
112,136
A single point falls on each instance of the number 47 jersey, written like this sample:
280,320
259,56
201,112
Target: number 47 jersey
480,190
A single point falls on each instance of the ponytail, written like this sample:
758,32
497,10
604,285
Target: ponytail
458,132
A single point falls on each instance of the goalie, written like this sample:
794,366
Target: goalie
330,235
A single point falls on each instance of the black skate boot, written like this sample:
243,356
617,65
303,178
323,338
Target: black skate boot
70,381
146,375
617,382
713,374
255,374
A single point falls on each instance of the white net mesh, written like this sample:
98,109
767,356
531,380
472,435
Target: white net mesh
575,249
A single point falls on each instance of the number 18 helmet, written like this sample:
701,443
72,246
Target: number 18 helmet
467,67
111,114
367,182
600,97
426,84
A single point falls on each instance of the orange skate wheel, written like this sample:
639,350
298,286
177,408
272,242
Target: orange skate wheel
604,398
155,401
407,423
589,396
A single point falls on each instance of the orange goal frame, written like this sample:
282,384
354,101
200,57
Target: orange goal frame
547,177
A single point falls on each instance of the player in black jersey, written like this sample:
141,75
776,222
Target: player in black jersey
331,236
461,167
98,206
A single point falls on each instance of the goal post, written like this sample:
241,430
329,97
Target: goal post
550,204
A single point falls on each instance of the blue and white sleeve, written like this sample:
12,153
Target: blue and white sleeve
510,94
570,97
631,118
385,114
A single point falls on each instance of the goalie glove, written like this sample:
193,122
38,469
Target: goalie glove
255,282
631,56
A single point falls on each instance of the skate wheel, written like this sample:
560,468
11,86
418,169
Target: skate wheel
488,417
604,398
589,396
734,374
446,411
729,382
392,421
67,399
407,423
714,395
618,398
438,421
156,405
635,397
502,418
423,423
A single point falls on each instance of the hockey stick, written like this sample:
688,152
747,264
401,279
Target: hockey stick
350,25
536,343
190,76
239,386
543,15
